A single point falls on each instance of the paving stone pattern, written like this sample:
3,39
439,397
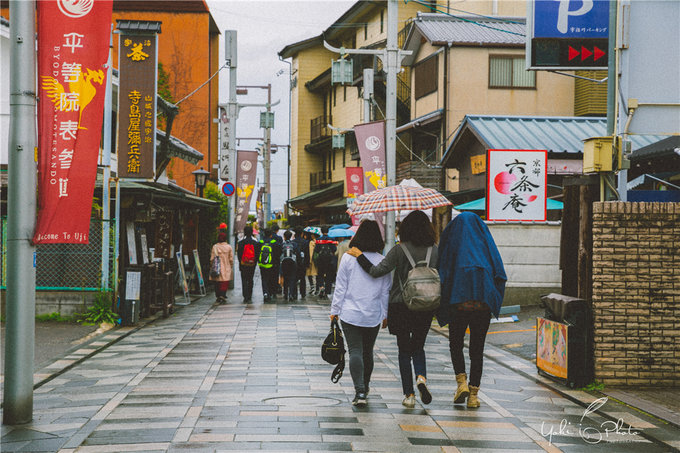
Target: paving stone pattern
240,377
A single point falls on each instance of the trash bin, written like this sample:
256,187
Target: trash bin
564,341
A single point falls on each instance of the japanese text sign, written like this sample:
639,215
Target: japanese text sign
137,104
354,181
246,172
516,185
73,47
371,143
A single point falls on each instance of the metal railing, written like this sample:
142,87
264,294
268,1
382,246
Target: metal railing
68,267
319,128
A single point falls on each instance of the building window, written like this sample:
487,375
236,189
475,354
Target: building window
333,152
344,93
507,71
344,157
335,95
382,20
365,32
426,76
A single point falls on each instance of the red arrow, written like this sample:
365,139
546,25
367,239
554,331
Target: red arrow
599,53
585,53
573,53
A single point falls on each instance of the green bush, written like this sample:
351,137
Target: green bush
100,311
53,317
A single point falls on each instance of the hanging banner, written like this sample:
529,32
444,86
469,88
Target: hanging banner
354,181
371,143
137,63
246,172
259,207
516,185
73,48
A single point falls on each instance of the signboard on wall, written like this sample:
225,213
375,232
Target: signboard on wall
567,34
137,62
516,185
551,347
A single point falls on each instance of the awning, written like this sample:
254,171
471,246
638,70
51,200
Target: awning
421,120
158,190
662,178
334,204
480,205
313,198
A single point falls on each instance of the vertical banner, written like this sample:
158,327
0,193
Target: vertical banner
73,47
371,143
259,210
355,186
246,171
137,64
516,185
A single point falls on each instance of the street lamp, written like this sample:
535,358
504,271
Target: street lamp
201,177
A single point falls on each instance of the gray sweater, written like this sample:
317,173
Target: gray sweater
396,260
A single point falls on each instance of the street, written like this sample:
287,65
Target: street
237,377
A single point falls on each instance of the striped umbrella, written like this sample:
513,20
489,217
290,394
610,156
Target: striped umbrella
397,198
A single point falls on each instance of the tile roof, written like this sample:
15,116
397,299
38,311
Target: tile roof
556,134
443,29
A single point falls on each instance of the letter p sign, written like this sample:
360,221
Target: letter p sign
564,13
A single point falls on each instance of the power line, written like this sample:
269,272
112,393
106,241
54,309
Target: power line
202,85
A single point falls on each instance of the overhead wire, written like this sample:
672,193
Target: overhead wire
203,84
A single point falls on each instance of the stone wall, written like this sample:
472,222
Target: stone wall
636,293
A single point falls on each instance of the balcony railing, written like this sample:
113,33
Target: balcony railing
319,179
319,129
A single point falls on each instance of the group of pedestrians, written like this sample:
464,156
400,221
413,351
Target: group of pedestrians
295,265
472,284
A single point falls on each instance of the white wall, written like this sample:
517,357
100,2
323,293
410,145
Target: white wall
531,257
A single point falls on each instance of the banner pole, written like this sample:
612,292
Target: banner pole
21,212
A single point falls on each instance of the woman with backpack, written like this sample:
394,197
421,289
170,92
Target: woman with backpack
473,284
225,256
417,238
360,302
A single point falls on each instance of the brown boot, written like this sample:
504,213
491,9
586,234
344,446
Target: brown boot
462,392
472,400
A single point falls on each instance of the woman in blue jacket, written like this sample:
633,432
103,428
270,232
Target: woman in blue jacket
473,283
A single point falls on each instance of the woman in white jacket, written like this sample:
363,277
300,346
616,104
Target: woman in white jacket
360,302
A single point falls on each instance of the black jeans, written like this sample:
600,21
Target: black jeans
302,283
269,281
478,321
360,342
288,272
411,343
324,279
247,274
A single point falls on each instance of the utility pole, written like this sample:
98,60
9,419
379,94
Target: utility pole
607,191
368,93
21,213
268,159
391,57
232,116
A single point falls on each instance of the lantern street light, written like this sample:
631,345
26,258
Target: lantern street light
201,178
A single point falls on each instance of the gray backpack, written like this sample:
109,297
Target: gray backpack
422,289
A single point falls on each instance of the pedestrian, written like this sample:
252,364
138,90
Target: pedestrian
269,253
325,258
279,240
290,257
225,253
360,302
247,250
303,245
473,283
416,235
311,268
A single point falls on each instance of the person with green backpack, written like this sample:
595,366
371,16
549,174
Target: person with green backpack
269,253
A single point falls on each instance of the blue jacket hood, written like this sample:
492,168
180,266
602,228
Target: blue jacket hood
470,266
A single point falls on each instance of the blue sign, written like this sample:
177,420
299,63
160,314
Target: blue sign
571,18
228,189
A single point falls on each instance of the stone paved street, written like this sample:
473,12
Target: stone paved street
240,377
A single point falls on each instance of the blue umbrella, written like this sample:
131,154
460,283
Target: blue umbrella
480,205
340,233
339,226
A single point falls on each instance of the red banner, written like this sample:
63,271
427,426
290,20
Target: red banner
73,47
354,181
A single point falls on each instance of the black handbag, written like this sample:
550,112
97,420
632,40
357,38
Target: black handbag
333,350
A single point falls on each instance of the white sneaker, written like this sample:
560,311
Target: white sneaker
409,401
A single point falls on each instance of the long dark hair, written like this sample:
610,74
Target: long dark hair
368,237
417,229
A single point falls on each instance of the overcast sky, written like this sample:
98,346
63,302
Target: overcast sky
263,29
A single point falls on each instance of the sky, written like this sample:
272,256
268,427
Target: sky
263,29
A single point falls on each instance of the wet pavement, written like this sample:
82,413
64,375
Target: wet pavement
234,377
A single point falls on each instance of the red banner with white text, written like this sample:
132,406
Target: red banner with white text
73,48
